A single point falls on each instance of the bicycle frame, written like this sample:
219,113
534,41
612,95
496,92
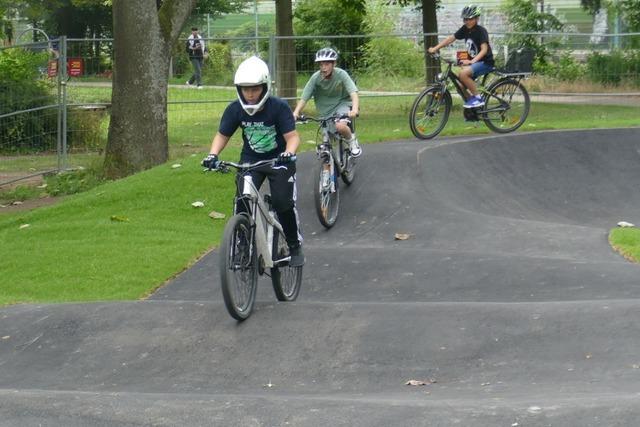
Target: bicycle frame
325,148
263,220
449,75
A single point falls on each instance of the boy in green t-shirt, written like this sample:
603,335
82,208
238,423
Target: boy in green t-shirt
335,94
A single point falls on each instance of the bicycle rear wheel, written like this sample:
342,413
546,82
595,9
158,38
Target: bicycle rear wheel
506,106
238,267
430,112
286,280
326,195
348,164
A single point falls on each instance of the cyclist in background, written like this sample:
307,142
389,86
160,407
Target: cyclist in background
480,62
268,132
335,94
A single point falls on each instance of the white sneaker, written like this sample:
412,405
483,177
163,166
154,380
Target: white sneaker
199,87
354,147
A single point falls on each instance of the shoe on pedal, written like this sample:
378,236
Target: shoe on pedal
297,257
474,102
354,147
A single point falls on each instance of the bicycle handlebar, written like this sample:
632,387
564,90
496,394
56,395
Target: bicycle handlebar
306,119
224,165
440,57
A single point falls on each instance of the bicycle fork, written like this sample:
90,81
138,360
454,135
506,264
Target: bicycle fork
327,181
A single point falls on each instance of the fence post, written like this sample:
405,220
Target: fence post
59,104
62,90
273,54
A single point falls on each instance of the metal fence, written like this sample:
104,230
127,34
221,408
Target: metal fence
64,124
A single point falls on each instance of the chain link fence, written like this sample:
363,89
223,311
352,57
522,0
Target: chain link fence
57,117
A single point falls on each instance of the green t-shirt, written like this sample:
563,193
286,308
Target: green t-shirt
329,94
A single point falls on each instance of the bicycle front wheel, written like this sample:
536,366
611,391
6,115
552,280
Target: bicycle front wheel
238,267
506,106
348,164
286,280
326,195
430,112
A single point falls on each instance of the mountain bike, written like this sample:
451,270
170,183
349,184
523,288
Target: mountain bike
334,158
253,241
506,102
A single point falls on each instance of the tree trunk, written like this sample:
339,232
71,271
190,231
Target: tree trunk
143,36
430,28
286,53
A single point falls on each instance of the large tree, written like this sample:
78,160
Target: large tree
144,33
143,36
430,31
286,59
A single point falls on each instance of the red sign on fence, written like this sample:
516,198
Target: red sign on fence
75,67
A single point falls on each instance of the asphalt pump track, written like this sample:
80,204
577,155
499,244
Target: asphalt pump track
506,301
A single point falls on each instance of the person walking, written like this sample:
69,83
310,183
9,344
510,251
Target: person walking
196,50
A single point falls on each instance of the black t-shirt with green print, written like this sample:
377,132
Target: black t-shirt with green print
263,132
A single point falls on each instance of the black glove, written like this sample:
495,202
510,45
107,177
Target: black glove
211,162
285,157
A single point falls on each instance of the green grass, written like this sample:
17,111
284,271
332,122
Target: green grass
118,241
626,241
74,251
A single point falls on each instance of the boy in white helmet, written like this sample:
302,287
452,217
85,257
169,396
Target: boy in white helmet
335,94
268,132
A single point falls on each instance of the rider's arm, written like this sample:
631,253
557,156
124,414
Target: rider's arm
443,43
299,108
355,104
307,93
218,144
484,48
293,141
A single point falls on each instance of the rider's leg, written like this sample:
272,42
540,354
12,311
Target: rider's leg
282,182
466,77
344,129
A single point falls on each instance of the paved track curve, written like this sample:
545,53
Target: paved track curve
506,297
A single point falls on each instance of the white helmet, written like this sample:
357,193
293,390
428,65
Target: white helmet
253,72
326,54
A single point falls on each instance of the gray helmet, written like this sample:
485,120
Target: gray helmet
470,11
326,54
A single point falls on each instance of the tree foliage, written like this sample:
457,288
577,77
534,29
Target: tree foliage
523,16
389,56
630,12
333,18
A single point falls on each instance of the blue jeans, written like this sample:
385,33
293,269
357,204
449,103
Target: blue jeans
480,69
